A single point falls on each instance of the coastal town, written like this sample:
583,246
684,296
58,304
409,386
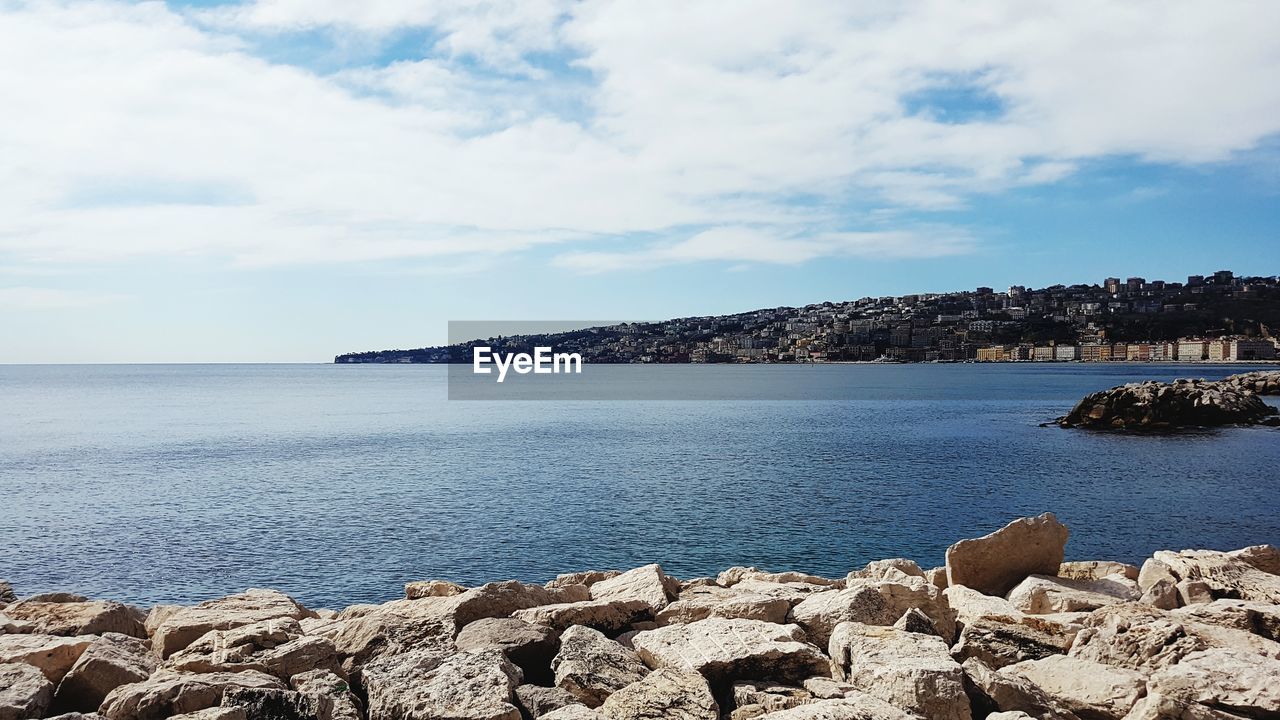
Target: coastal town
1220,317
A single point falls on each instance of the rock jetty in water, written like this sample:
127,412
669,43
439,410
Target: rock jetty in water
1263,382
1006,629
1183,403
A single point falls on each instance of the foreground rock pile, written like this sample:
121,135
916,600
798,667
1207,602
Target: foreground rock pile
1154,405
1004,630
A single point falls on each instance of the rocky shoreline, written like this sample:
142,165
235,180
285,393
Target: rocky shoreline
1235,400
1005,629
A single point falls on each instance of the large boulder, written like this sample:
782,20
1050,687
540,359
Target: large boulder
732,649
537,701
157,615
969,604
1155,405
331,696
1087,688
666,694
591,667
586,578
275,704
1135,637
991,691
793,591
701,603
498,599
24,692
910,671
187,625
1226,576
432,588
52,654
363,632
424,685
1152,572
275,647
1154,706
90,617
1225,680
993,564
1043,594
111,661
891,569
611,616
168,693
647,583
1263,557
1000,640
7,595
1262,619
873,603
531,647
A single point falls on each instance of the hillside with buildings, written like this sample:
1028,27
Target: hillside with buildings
1218,317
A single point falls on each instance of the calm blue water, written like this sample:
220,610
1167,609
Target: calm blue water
339,483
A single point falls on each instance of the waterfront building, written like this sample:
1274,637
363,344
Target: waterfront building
1020,352
1066,352
1251,349
995,353
1192,350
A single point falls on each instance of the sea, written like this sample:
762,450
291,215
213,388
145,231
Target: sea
339,483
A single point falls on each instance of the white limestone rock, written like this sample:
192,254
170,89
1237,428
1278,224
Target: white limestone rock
1225,575
666,694
725,650
1042,594
52,654
423,685
873,603
111,661
185,626
605,615
89,617
993,564
910,671
647,583
24,692
591,667
167,693
1087,688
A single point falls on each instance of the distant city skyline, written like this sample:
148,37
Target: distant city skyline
1217,316
274,181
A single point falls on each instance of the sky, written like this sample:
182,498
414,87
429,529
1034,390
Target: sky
287,180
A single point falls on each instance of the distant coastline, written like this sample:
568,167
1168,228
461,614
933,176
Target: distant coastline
1219,317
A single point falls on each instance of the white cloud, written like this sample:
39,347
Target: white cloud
753,245
133,130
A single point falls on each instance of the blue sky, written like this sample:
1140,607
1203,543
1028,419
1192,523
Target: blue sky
278,180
